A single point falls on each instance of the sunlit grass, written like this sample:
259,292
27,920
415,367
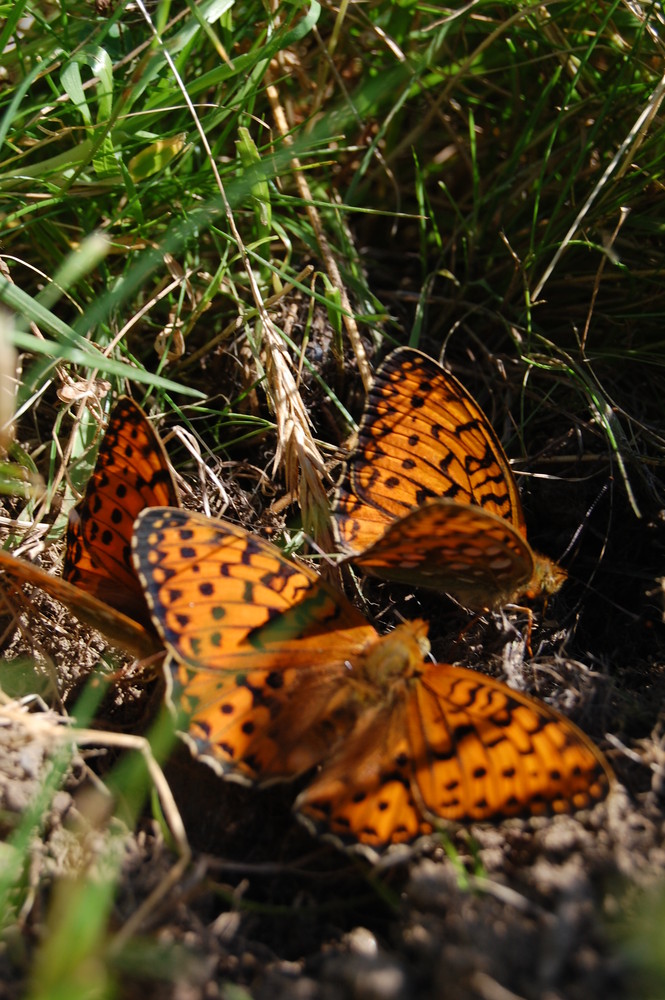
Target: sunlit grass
486,180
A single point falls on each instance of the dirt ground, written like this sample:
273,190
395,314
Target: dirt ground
546,909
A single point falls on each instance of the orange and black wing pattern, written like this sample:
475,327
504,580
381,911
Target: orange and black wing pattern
276,674
428,496
131,472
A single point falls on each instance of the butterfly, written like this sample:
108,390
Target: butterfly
428,497
277,674
131,472
99,583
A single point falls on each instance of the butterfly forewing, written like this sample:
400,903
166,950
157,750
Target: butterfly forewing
423,436
221,597
493,752
131,472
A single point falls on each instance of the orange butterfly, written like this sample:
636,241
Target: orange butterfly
131,472
99,583
429,498
277,673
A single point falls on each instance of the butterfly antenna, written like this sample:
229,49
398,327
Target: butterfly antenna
583,524
588,584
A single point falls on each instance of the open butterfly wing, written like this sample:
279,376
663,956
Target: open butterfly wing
131,473
261,644
118,628
422,436
451,745
277,672
462,550
492,752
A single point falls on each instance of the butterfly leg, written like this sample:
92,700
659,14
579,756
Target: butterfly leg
529,624
510,607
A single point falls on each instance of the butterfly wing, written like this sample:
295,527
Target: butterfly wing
477,557
424,449
455,745
492,752
118,628
277,672
364,794
422,436
261,644
131,473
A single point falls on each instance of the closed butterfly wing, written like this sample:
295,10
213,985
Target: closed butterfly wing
456,548
131,473
118,628
424,442
276,673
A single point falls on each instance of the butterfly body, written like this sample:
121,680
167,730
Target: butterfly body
278,675
428,497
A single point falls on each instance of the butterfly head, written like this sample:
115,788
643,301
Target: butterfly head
399,654
548,577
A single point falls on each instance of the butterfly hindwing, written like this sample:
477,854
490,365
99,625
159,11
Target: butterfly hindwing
452,547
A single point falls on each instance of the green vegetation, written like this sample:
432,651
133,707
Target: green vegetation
230,207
